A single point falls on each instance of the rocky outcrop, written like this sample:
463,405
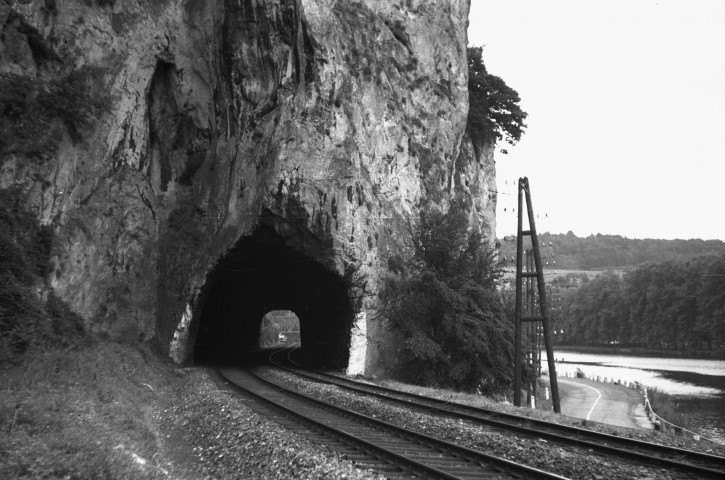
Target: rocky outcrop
475,186
328,122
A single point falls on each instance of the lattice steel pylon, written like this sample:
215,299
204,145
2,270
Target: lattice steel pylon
543,317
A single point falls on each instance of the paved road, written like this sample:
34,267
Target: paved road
602,402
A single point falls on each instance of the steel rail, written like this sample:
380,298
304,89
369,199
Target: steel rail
687,461
419,454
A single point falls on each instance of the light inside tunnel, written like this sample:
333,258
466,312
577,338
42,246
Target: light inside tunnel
262,274
279,327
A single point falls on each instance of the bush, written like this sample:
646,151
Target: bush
447,310
33,109
21,317
24,244
663,405
25,320
494,113
66,325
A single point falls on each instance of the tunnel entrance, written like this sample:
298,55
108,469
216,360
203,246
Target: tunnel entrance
262,274
279,327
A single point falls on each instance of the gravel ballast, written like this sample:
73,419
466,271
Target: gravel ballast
564,460
212,434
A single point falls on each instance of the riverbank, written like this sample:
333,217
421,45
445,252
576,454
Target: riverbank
696,386
642,352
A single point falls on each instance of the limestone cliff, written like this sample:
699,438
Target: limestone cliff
194,125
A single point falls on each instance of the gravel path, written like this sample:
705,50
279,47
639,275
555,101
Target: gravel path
602,402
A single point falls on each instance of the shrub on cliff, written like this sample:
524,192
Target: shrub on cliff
25,319
494,112
32,110
447,309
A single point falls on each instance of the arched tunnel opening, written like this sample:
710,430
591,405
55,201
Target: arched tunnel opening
262,274
279,327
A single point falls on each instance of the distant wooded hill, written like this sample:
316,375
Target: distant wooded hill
666,305
567,251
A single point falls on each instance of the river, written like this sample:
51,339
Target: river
698,385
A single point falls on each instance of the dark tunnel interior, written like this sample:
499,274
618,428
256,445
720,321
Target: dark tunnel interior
260,274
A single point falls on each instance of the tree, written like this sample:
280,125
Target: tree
447,310
711,298
671,304
494,113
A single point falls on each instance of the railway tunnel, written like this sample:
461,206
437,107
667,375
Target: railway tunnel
262,273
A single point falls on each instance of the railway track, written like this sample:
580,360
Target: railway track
369,441
686,461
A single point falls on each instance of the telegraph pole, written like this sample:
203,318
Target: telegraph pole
543,317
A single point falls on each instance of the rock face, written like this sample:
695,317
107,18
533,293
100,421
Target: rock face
233,143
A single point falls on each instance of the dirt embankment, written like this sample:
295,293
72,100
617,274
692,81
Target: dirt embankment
104,410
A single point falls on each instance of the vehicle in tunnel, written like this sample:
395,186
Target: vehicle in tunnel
262,273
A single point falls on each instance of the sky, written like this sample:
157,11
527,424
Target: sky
626,104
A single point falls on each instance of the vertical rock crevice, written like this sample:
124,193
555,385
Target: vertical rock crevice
177,147
163,112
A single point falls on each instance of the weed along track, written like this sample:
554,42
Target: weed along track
392,451
698,465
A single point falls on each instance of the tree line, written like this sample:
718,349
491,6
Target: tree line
611,251
677,304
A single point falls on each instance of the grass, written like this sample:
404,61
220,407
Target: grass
543,403
664,406
473,399
72,406
81,413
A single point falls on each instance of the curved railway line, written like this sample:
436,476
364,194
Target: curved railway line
372,442
686,461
